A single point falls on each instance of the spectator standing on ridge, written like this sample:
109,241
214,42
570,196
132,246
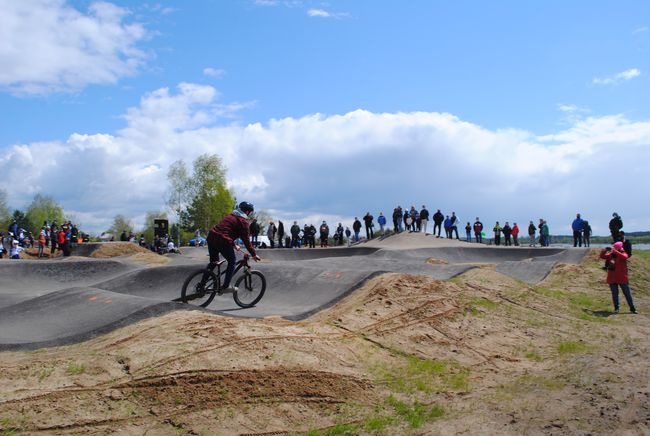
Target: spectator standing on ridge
414,218
424,218
468,232
13,229
478,231
405,219
617,275
280,233
339,234
497,234
381,220
586,233
507,232
348,233
41,242
615,226
311,236
531,234
438,218
545,233
54,237
454,225
577,226
447,227
397,218
324,234
123,236
270,233
14,252
295,234
515,234
356,226
255,232
408,221
368,221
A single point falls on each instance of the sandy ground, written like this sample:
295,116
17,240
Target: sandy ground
479,354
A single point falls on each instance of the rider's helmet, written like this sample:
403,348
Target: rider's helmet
246,207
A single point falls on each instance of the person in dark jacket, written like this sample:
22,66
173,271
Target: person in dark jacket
368,221
221,240
280,233
468,232
478,231
397,218
339,234
324,234
424,218
617,274
295,234
615,226
531,234
438,218
356,226
310,235
255,232
507,233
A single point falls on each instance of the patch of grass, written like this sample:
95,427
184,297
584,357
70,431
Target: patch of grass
45,373
75,368
527,384
378,424
573,347
533,355
582,305
416,415
424,375
485,303
337,430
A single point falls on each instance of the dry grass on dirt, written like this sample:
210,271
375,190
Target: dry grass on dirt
479,354
114,249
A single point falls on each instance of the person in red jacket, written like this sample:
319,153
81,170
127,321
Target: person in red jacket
222,237
616,265
515,234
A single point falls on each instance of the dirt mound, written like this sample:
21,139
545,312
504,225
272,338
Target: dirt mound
115,249
482,353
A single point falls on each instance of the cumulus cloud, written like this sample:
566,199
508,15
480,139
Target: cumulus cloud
614,79
49,46
339,166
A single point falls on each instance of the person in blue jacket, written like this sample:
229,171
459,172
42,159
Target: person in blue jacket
381,220
577,226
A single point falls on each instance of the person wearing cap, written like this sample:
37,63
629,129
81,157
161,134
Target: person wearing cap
617,275
14,252
577,226
222,237
381,220
424,218
615,226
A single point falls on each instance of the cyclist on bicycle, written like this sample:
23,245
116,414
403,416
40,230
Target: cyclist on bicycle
221,239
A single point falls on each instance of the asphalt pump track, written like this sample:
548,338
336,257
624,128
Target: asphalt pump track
56,302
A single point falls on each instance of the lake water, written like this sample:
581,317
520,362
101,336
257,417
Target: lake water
634,246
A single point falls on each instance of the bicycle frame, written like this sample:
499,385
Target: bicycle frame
243,263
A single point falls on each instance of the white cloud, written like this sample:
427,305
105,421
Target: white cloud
571,108
217,73
642,29
617,78
333,166
49,46
322,13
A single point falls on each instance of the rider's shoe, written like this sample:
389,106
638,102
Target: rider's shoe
231,288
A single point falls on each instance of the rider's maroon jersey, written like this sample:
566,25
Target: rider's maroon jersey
231,228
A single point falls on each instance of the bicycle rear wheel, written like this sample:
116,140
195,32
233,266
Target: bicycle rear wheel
250,289
200,288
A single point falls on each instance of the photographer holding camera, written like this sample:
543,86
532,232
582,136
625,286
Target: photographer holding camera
616,266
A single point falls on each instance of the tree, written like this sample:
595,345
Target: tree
211,199
21,220
120,224
179,192
43,208
5,216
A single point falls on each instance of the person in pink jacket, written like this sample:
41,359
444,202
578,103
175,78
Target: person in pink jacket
616,266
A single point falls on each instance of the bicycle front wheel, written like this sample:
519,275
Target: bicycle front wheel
200,288
250,289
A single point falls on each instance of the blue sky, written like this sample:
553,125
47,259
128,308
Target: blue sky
507,110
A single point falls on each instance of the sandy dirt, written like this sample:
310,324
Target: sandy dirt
478,354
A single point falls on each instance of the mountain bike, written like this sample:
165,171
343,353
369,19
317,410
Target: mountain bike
203,285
